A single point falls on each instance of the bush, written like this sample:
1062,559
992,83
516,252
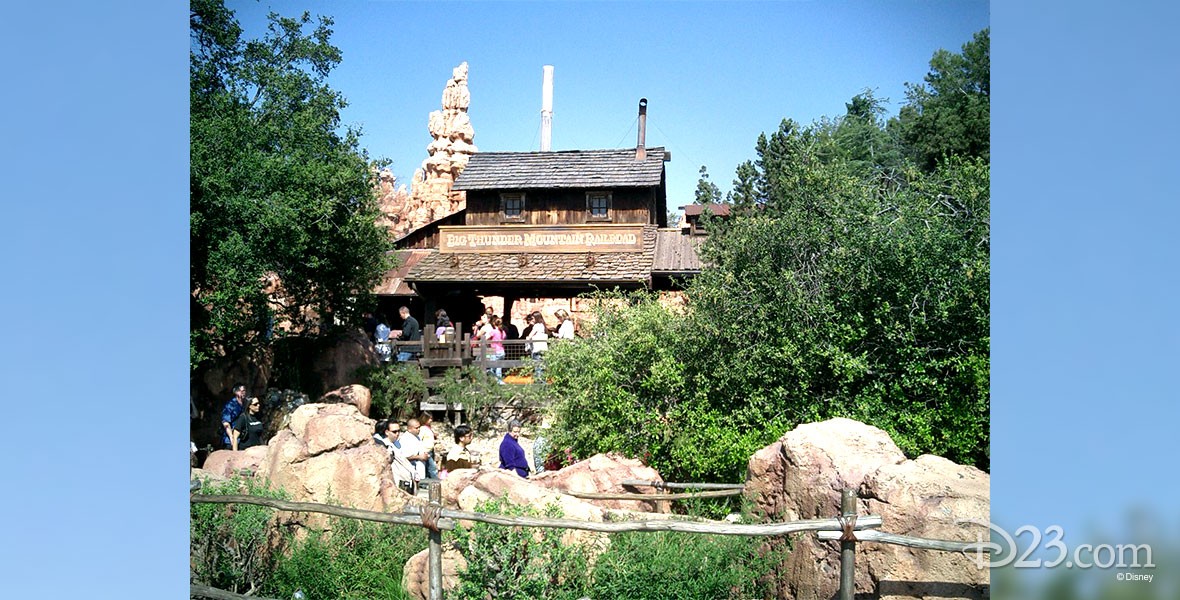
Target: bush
517,562
356,559
396,389
658,565
479,393
228,543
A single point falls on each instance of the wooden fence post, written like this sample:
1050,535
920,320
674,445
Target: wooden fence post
435,555
847,547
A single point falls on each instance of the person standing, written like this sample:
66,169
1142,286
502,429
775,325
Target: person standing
410,332
511,454
233,409
248,427
426,435
386,435
412,450
565,327
538,345
495,337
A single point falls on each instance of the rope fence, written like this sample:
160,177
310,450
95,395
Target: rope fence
848,528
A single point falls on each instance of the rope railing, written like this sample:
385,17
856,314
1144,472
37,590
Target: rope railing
848,528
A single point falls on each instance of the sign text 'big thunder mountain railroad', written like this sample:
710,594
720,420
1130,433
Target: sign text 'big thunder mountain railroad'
549,238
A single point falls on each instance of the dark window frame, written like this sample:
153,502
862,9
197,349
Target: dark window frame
505,199
607,197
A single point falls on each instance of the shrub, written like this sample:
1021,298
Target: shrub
516,562
658,565
228,543
396,388
479,393
356,559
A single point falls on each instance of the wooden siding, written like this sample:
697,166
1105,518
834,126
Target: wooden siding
565,207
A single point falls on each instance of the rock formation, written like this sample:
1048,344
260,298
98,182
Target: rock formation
801,476
324,453
430,197
336,363
603,473
356,395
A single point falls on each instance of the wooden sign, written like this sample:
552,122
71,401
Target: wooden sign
540,239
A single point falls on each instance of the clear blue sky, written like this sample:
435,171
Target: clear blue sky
715,74
94,239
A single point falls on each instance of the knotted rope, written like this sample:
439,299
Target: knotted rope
848,525
430,515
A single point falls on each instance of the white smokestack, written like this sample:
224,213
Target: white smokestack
547,108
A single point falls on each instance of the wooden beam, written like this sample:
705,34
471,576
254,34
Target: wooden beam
684,486
910,542
637,496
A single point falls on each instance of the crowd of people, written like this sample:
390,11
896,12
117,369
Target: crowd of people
415,450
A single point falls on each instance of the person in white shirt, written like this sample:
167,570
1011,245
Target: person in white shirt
565,330
426,435
411,448
387,436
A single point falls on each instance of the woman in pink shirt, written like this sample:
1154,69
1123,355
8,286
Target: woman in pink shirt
496,348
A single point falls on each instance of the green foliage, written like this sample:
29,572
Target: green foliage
517,562
855,295
949,114
229,544
396,388
277,195
479,392
849,281
658,565
707,191
354,560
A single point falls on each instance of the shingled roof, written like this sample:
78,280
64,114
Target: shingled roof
585,267
676,253
565,169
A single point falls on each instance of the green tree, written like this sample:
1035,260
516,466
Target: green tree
949,114
282,203
707,191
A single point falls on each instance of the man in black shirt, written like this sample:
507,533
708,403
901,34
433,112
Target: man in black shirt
410,332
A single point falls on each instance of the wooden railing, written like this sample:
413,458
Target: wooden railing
848,528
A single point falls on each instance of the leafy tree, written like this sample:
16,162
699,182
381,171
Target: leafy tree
949,114
283,210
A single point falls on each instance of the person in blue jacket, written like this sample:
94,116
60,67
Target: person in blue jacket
511,454
233,409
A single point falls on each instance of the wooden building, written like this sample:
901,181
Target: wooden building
546,225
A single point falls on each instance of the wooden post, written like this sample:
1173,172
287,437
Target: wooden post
847,549
435,556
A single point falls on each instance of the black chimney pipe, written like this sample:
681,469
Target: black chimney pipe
640,150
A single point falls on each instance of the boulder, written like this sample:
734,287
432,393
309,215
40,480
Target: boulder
929,497
603,473
227,463
416,574
356,395
326,454
495,483
336,364
802,475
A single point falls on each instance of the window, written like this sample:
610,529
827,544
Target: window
598,206
512,207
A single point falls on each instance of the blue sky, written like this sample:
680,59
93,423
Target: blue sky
715,74
94,235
